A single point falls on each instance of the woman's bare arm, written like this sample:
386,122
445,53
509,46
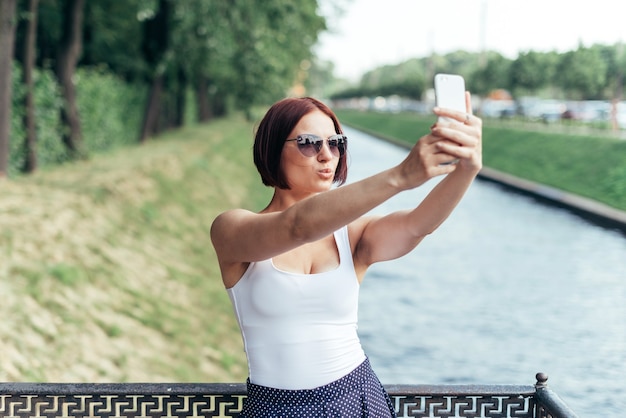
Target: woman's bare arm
395,235
243,236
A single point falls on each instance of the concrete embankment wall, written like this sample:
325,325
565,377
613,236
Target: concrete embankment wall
589,209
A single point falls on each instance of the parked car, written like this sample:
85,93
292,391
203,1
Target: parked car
545,110
491,108
588,110
526,105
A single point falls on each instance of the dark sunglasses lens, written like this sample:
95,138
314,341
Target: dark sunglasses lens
309,145
337,144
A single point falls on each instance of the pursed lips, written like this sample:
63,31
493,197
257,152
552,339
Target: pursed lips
325,172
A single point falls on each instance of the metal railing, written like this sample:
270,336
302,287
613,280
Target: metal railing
160,400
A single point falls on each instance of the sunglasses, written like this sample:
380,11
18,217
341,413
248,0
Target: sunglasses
310,145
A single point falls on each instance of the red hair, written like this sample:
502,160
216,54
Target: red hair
273,130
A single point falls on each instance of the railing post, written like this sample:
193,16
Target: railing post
549,400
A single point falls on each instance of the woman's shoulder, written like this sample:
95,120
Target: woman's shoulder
226,220
233,215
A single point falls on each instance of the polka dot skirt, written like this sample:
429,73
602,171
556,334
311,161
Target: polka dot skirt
356,395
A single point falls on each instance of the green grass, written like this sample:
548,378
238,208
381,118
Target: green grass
106,267
588,164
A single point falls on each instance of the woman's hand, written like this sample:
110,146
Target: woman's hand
460,136
453,143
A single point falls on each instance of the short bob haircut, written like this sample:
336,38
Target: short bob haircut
273,130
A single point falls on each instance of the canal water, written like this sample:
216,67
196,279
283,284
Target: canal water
505,288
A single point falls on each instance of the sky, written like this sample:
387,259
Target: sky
371,33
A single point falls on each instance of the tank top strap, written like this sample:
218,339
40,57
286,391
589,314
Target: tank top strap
343,245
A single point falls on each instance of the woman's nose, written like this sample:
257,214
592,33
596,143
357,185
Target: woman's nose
325,153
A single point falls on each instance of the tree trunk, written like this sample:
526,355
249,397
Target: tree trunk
181,98
30,162
202,99
154,45
69,52
7,40
218,104
153,109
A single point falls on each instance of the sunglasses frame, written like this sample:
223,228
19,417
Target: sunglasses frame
316,142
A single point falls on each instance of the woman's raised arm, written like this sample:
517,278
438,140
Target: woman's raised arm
395,235
243,236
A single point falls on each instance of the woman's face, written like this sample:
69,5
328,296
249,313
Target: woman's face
316,173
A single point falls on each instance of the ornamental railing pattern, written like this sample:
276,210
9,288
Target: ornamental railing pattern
219,400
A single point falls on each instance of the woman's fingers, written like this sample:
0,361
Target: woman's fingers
468,103
456,117
450,148
464,136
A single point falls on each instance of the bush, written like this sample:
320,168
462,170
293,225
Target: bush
48,102
17,133
110,111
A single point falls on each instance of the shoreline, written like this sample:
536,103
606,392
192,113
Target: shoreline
588,209
591,210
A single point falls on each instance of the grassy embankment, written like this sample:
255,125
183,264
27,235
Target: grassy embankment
107,273
589,165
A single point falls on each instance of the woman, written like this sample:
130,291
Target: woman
293,270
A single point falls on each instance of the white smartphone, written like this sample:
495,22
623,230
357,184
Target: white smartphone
450,92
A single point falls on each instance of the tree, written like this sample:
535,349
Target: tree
615,60
582,73
68,54
271,40
203,46
619,71
28,59
407,80
154,47
494,75
112,35
7,39
531,71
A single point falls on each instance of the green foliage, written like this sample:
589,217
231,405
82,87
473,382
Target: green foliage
110,109
590,166
583,73
16,153
490,76
48,104
272,39
407,80
412,78
230,54
532,71
586,73
113,33
50,25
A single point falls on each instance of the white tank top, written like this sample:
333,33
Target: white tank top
299,330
